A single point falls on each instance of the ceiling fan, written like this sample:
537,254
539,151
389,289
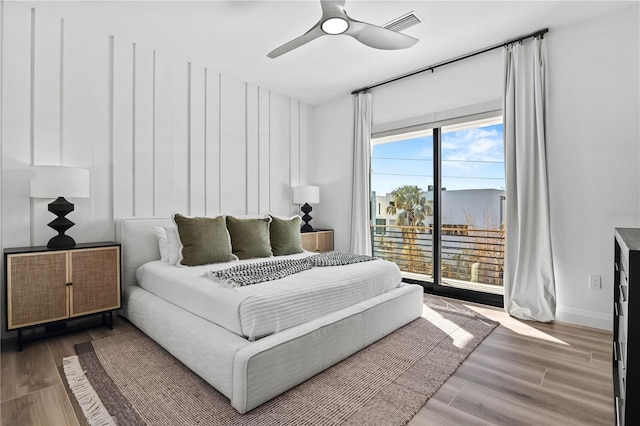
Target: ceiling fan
335,21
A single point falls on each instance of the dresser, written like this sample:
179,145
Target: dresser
318,241
626,325
47,287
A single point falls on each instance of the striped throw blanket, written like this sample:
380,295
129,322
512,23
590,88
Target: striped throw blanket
253,273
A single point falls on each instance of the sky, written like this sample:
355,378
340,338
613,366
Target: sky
471,159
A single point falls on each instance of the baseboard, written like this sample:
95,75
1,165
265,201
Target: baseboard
586,318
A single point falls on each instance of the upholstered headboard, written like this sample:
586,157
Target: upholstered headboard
139,245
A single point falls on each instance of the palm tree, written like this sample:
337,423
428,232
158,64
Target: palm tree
413,211
413,204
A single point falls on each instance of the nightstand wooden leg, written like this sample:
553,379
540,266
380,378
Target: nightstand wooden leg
19,340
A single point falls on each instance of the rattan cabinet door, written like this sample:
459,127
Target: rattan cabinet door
309,241
318,241
325,241
95,278
37,290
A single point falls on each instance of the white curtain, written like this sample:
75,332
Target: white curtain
529,283
360,226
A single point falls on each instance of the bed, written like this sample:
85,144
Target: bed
250,363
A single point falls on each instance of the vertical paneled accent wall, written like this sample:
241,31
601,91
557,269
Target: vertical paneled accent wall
159,134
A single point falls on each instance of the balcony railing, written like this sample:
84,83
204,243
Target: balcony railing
467,254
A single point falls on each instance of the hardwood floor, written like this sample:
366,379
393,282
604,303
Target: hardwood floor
524,373
33,388
527,373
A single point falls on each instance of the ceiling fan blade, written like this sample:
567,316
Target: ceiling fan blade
378,37
310,35
332,8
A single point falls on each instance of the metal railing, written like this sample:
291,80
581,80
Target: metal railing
467,254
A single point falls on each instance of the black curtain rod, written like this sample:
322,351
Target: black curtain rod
539,33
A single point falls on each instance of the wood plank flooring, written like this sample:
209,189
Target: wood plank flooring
527,373
524,373
33,388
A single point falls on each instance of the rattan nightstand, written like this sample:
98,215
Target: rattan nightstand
320,240
47,286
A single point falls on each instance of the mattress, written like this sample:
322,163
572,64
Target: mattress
262,309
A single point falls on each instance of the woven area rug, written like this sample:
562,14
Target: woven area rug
127,379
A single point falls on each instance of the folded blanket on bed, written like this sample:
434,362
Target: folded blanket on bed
254,273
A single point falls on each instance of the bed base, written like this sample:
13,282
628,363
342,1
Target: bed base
251,373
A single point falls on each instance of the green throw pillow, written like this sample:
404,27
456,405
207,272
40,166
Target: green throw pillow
204,240
285,235
249,237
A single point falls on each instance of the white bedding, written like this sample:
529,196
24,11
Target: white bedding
258,310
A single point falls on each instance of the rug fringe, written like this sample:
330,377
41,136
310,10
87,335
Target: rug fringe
88,399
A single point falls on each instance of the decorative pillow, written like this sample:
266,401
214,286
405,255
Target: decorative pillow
203,240
249,237
285,235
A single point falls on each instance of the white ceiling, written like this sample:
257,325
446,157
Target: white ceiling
234,37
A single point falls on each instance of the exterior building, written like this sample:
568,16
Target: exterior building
472,239
479,208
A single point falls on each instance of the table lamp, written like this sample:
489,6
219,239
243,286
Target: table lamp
308,195
59,182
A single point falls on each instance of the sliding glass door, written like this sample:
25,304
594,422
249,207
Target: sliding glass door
401,171
472,206
439,206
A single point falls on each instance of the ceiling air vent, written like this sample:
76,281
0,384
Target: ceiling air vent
405,21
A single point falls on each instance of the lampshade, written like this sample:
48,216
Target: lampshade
306,194
59,181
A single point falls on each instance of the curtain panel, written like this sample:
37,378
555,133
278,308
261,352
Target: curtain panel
360,242
529,282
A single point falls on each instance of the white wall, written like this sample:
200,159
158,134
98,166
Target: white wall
159,134
463,87
593,156
593,146
332,168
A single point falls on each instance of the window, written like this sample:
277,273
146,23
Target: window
441,195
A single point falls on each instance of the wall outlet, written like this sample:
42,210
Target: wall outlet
595,281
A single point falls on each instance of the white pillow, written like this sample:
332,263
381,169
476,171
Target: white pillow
169,244
173,244
161,233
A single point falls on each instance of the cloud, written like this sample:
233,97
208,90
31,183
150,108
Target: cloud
472,158
486,147
448,145
481,144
